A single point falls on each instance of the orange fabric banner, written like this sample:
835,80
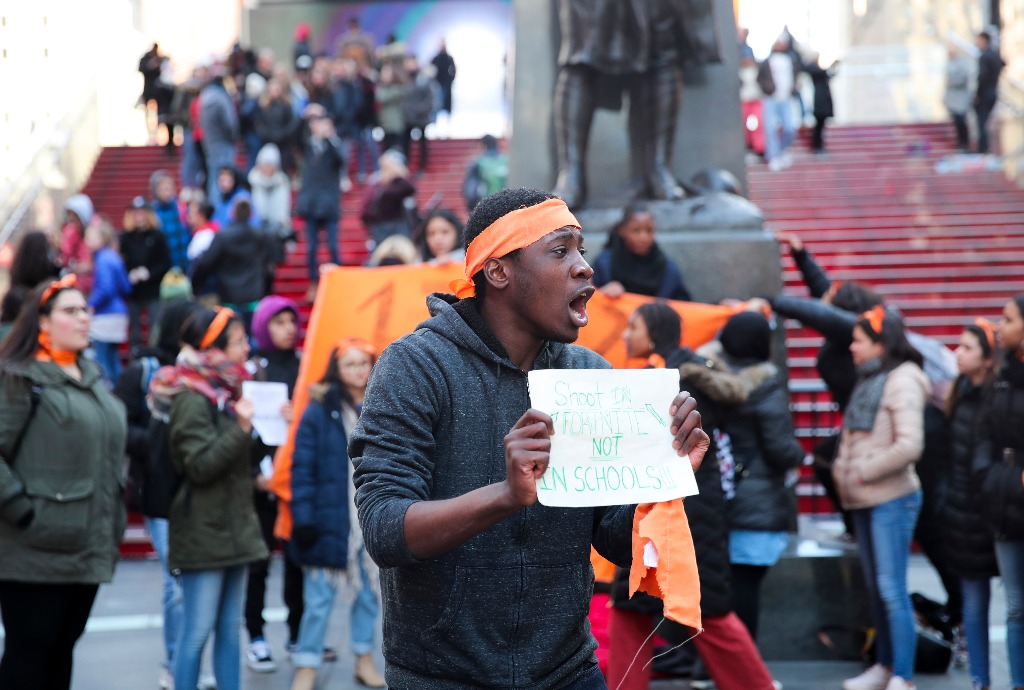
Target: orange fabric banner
382,304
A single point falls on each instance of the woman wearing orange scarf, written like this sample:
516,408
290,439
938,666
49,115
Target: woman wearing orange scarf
62,440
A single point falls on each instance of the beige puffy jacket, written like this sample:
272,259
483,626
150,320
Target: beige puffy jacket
873,467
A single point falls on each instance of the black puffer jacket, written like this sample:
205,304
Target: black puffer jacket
968,540
715,391
764,446
999,455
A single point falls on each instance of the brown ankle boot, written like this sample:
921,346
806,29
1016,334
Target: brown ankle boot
367,674
305,678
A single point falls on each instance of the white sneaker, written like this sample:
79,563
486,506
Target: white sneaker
206,681
897,683
776,165
258,657
874,678
166,679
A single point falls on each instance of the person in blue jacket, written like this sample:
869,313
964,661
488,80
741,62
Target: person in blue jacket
232,186
109,327
326,540
632,261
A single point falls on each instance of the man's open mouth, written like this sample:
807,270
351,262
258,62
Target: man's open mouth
578,307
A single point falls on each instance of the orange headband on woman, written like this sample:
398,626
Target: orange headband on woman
217,326
346,344
989,329
513,231
875,318
68,281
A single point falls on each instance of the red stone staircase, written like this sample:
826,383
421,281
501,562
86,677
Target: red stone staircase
944,248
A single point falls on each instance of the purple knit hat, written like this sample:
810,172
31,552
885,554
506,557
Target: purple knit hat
269,307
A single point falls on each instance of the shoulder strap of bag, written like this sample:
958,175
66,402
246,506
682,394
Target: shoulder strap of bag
35,394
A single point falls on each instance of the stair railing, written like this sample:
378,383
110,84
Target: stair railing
63,156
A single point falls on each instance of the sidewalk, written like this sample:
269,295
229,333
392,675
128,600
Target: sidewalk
122,648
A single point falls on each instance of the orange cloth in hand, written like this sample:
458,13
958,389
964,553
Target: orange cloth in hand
674,580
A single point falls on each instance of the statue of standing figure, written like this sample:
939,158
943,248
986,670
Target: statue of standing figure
637,47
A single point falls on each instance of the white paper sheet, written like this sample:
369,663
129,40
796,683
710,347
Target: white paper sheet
267,401
612,444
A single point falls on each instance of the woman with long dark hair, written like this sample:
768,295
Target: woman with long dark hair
632,261
213,531
999,468
326,539
35,260
969,542
881,440
62,439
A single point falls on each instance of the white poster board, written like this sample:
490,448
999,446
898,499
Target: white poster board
267,400
612,444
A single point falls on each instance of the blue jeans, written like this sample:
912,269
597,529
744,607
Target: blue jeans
312,242
777,115
172,597
319,588
365,611
884,533
108,359
977,594
191,166
212,603
1010,556
366,152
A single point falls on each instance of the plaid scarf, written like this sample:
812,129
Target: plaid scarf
209,373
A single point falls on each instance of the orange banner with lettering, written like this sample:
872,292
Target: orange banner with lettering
383,304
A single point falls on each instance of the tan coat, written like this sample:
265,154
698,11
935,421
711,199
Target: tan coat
873,467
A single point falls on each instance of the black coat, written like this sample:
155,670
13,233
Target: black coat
236,259
320,194
968,540
146,248
765,448
276,123
999,455
822,92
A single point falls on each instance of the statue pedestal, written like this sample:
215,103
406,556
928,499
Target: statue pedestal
718,241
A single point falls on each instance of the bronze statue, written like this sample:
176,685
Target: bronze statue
634,46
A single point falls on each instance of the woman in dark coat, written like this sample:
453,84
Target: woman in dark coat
726,647
761,508
326,540
999,470
276,122
969,542
632,261
822,100
319,200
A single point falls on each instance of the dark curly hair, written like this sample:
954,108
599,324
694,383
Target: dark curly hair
493,207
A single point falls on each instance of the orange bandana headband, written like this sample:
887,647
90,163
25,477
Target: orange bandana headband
346,344
217,326
513,231
875,318
68,281
989,329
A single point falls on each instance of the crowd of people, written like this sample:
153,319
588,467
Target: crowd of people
477,583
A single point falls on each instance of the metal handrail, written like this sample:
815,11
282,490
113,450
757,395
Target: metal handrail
24,190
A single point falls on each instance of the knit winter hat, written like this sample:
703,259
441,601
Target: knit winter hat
747,336
81,206
269,307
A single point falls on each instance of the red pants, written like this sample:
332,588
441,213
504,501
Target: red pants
725,646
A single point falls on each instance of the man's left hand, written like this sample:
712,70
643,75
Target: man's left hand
690,438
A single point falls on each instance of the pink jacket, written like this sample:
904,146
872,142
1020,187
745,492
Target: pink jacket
873,467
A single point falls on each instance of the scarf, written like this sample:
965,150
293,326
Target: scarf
47,352
641,275
208,372
866,396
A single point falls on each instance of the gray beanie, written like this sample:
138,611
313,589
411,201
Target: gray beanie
269,155
81,206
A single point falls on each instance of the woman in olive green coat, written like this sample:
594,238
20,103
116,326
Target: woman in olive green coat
62,515
214,533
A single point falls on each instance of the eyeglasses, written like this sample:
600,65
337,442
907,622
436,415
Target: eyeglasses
356,365
76,310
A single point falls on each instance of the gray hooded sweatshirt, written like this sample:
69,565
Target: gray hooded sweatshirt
508,608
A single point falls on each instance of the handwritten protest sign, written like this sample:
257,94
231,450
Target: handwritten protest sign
611,444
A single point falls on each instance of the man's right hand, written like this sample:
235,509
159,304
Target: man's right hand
792,239
527,452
